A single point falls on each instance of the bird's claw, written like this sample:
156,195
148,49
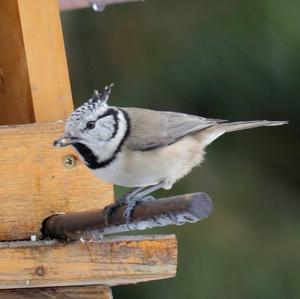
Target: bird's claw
110,209
131,205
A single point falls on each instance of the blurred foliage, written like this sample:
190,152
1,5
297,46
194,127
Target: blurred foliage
235,60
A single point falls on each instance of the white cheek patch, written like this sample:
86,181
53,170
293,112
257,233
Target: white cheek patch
108,123
105,128
105,135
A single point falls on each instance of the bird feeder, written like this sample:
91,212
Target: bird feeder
38,181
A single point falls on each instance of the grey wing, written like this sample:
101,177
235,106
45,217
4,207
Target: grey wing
153,129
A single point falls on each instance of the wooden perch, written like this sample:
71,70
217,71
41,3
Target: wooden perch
97,5
91,225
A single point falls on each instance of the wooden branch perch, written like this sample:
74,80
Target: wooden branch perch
97,5
176,210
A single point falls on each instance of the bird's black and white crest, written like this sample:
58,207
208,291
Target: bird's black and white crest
97,103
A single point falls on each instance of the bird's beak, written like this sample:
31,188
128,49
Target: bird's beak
64,141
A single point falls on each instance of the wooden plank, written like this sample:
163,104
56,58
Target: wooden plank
113,261
15,93
34,81
34,183
83,292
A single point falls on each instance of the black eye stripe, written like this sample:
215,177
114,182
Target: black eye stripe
114,113
107,113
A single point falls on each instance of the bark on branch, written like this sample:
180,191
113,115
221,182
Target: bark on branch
98,5
89,225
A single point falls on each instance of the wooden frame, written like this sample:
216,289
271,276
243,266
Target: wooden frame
34,182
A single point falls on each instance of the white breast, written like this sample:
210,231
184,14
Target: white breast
168,164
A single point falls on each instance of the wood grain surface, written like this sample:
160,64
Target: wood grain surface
34,81
111,261
83,292
34,183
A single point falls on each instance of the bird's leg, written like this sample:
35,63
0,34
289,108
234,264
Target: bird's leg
123,200
131,199
138,197
132,204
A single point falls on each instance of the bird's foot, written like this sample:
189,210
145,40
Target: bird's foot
110,209
131,205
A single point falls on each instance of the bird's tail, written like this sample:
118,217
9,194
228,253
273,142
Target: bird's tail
210,134
242,125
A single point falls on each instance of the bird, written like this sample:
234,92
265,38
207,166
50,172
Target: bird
140,148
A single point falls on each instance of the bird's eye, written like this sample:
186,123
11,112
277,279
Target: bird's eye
91,125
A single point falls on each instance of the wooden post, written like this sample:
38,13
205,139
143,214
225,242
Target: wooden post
34,81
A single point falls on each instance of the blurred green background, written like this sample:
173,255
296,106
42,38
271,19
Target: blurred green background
237,60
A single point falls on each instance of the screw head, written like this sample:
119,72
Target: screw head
40,271
69,161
